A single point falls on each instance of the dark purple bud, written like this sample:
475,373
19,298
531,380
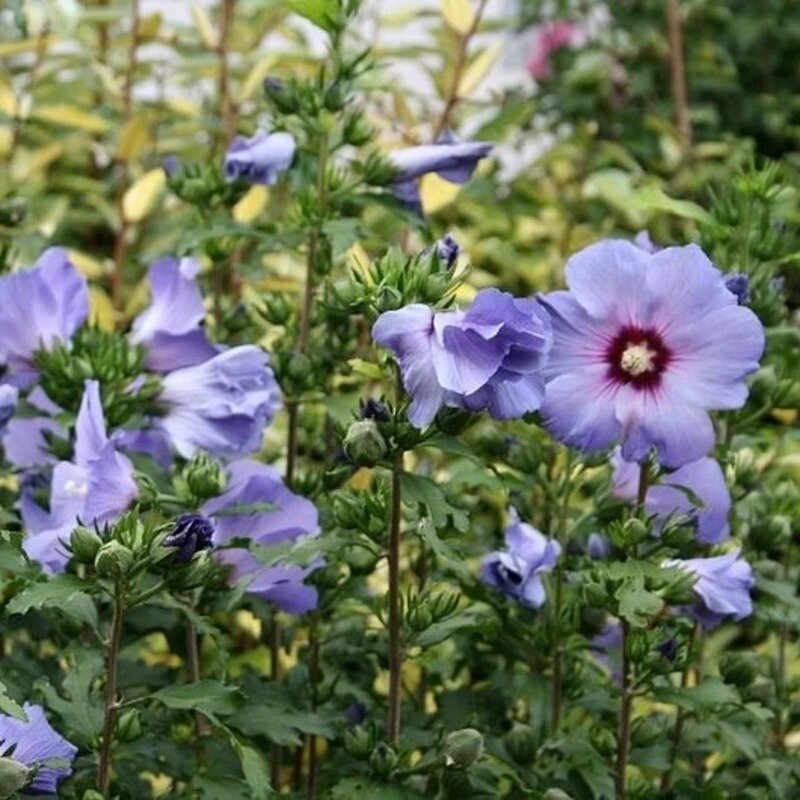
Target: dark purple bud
739,286
447,248
598,547
190,534
355,713
374,409
668,648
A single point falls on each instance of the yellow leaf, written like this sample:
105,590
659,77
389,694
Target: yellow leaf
459,15
184,106
787,416
142,195
205,27
71,117
251,205
85,264
358,256
37,160
101,309
8,102
478,69
133,138
111,82
256,77
150,25
436,192
25,46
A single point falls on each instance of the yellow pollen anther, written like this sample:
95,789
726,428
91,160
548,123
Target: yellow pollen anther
637,359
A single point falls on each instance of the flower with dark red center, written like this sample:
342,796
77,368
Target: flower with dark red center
644,345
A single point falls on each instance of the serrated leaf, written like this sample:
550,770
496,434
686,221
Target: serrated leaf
478,69
255,772
9,706
459,15
61,592
143,194
636,604
421,489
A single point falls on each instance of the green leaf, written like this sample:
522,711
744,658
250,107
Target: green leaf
9,706
636,604
421,489
440,631
255,772
367,789
320,12
62,592
206,696
708,695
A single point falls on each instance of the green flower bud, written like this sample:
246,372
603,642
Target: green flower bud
326,577
336,476
204,477
356,130
595,595
389,299
638,645
520,742
91,794
276,310
761,689
299,368
463,748
419,617
647,730
361,560
85,544
283,96
113,560
364,445
335,97
636,531
556,794
359,741
738,669
13,776
383,759
129,726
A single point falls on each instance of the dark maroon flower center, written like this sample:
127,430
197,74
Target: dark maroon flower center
637,357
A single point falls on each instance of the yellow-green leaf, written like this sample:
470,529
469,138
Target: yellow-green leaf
134,137
101,309
366,368
141,197
251,205
205,27
459,15
478,69
436,192
256,77
68,116
25,46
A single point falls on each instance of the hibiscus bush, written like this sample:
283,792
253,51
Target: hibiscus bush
399,403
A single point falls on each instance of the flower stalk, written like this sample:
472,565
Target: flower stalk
395,643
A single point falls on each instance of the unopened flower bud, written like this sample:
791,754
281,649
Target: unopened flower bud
204,477
738,669
383,759
364,444
448,249
419,618
190,534
463,748
359,741
85,544
361,560
520,742
13,776
556,794
113,560
282,96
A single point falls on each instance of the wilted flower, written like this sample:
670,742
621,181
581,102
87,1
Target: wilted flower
450,159
516,571
488,357
676,495
95,487
34,742
41,307
171,328
221,405
722,587
549,38
260,158
190,534
644,346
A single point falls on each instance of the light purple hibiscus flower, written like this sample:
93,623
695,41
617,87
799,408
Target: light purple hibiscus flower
722,587
516,571
449,158
487,357
171,328
41,307
260,158
285,516
644,346
220,405
33,742
550,37
25,442
95,487
669,497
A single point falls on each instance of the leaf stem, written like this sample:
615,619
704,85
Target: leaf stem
110,706
395,645
677,67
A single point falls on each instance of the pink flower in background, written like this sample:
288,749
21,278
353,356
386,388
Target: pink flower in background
549,38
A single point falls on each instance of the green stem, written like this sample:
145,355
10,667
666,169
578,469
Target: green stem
275,753
312,786
195,675
110,706
395,644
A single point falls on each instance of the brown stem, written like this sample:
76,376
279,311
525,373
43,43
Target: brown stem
678,74
227,108
395,645
624,724
110,705
461,61
195,675
275,753
312,787
116,281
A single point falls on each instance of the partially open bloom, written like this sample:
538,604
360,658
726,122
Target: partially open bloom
644,346
256,505
41,307
171,328
95,487
722,587
487,357
220,405
549,38
675,495
260,158
516,571
450,159
34,742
